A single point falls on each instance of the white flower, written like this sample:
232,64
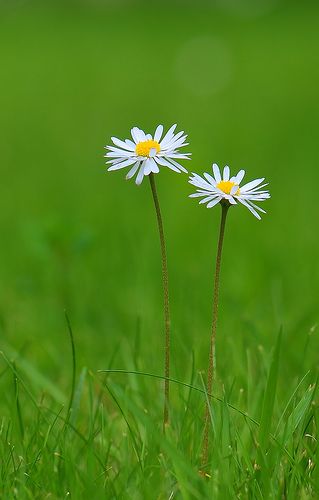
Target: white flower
215,189
145,154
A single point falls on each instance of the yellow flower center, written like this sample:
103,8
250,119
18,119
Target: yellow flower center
226,187
143,148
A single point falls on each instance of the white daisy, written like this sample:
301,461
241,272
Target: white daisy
145,154
218,188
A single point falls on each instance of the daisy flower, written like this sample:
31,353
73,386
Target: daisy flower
146,153
222,188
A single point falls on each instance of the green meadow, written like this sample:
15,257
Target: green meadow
80,268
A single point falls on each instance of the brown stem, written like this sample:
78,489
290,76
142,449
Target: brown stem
166,300
212,362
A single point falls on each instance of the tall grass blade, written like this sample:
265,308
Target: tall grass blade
269,397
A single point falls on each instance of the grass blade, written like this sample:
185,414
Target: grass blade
269,397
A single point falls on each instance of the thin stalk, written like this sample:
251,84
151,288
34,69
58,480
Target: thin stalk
16,392
212,359
166,301
73,366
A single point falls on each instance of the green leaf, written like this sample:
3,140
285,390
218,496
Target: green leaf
269,397
299,412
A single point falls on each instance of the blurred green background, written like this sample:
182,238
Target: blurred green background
241,78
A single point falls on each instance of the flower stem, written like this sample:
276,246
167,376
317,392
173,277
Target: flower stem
166,300
212,359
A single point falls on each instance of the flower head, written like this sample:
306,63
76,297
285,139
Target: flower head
219,187
146,153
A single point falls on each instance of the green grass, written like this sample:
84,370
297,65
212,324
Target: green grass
75,239
110,444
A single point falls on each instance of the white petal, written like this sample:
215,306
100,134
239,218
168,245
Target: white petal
231,200
198,181
178,156
150,166
178,165
198,194
155,168
216,172
165,163
140,175
158,133
135,135
122,144
210,179
255,197
152,152
161,161
174,147
169,134
113,161
207,199
122,164
257,208
175,139
133,171
251,209
256,192
211,204
239,177
117,156
142,134
130,143
138,135
256,189
251,184
120,151
226,173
